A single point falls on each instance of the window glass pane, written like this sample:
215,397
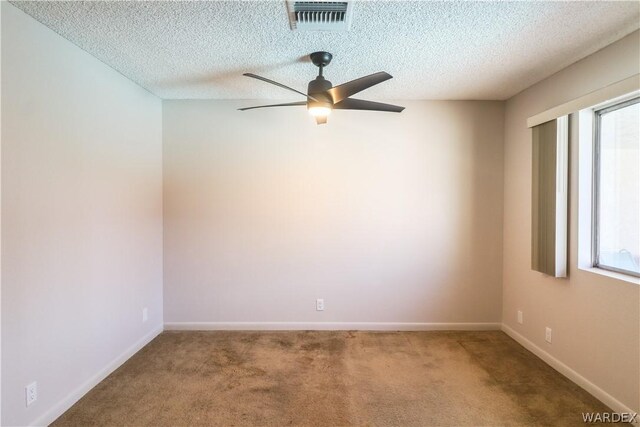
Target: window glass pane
619,190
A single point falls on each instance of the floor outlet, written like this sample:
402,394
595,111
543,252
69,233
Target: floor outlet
547,335
319,305
31,393
520,316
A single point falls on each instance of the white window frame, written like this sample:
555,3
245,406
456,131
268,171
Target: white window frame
595,219
587,186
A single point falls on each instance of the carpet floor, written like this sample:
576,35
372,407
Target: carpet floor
333,379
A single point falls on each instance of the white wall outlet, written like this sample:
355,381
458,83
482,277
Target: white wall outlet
145,314
319,304
31,393
547,334
520,317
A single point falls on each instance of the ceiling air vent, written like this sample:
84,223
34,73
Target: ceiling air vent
319,15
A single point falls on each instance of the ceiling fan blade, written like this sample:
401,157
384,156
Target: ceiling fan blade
361,104
288,104
264,79
321,120
338,93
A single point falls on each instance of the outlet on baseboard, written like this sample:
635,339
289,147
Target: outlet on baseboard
31,393
145,314
547,334
319,304
520,318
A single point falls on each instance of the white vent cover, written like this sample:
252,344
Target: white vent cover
319,15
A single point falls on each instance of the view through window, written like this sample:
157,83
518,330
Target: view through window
617,188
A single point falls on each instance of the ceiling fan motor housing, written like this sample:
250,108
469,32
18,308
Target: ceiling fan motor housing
318,89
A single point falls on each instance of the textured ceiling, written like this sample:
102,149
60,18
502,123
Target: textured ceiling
434,50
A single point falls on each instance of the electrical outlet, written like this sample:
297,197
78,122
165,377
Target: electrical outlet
319,305
547,334
31,393
145,314
520,316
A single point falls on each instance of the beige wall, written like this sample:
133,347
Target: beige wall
388,217
1,9
81,218
595,319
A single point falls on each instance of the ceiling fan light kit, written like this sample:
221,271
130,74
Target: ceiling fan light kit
323,97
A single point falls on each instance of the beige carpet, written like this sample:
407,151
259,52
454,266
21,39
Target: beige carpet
333,379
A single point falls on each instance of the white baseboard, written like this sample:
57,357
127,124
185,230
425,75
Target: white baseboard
565,370
52,414
327,326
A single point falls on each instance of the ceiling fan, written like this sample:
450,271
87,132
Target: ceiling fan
322,97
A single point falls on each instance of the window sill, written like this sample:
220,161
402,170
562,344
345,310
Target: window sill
612,274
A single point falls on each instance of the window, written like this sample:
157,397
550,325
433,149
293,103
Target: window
616,188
